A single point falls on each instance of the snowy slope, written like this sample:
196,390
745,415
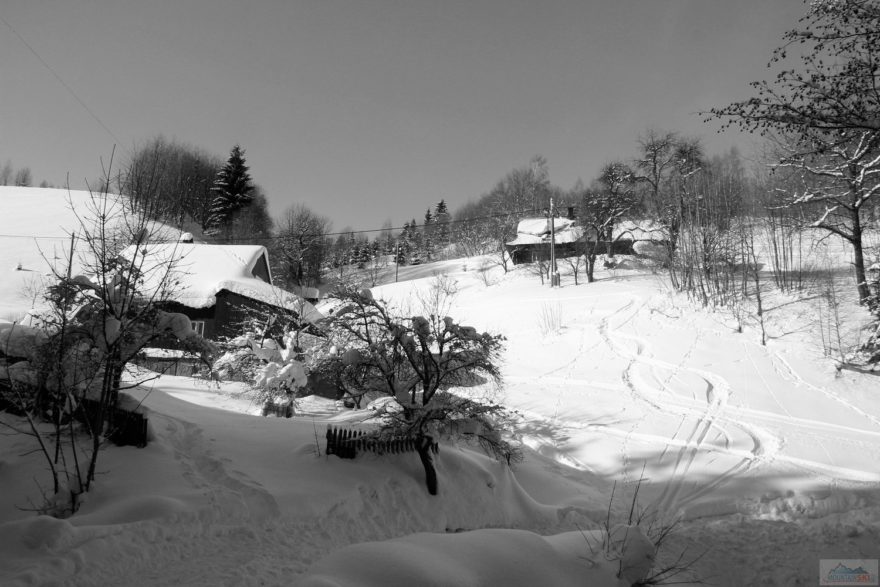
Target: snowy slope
636,376
35,229
767,455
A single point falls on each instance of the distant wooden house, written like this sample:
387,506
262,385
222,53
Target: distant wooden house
216,286
532,242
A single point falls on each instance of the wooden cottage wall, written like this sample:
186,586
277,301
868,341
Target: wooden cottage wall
234,309
206,315
261,270
541,251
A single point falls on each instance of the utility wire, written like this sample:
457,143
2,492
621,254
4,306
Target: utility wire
323,234
264,238
61,81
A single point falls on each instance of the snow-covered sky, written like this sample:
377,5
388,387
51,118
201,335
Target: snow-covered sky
373,110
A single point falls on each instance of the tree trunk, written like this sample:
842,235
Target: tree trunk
591,265
609,241
423,446
859,257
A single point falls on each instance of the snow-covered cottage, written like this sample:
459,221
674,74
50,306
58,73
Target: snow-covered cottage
532,242
215,285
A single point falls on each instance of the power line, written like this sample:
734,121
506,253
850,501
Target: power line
322,234
61,81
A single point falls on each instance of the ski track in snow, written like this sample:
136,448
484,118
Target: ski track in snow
709,408
709,425
789,373
714,411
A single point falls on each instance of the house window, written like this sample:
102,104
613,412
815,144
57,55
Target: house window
199,327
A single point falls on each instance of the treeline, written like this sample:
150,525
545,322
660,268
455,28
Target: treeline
188,186
308,254
669,180
20,176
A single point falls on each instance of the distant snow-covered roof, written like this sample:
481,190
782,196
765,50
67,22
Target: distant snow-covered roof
198,272
534,231
541,226
527,239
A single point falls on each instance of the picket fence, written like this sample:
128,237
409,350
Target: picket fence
345,443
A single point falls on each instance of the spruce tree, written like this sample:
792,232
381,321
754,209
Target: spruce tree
428,231
233,190
415,243
404,244
441,219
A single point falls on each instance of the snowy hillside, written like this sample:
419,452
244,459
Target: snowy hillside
35,229
765,454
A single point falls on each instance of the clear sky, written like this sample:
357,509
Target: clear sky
369,110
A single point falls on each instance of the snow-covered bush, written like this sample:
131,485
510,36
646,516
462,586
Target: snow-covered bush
633,550
276,369
638,545
550,319
415,360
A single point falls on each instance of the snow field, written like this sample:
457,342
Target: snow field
765,455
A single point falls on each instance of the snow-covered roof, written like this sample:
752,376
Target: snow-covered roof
200,271
534,231
541,226
527,239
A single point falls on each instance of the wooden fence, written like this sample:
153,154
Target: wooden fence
281,409
345,443
186,367
127,428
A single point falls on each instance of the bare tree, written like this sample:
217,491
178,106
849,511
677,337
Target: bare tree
522,192
301,244
6,173
576,263
665,167
822,111
609,199
23,177
172,178
95,323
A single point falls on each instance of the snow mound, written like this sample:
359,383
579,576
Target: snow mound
481,558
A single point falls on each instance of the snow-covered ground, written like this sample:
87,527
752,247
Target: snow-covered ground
766,455
765,452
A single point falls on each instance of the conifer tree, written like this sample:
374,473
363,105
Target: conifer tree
428,235
233,190
388,244
441,219
404,244
415,243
